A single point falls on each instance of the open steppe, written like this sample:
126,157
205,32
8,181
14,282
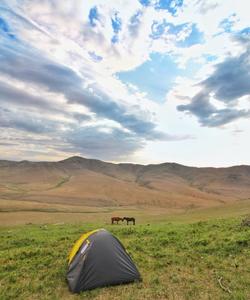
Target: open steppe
188,241
179,257
79,189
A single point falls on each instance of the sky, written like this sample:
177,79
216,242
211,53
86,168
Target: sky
147,81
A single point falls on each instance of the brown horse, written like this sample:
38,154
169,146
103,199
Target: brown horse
116,219
129,220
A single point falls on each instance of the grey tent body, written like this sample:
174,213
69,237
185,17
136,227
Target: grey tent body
101,260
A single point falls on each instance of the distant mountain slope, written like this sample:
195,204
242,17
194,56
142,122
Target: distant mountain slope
91,182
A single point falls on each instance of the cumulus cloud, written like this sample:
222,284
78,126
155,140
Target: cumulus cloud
229,82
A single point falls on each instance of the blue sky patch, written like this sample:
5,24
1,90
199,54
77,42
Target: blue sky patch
116,23
93,16
210,57
226,24
245,31
134,20
172,29
156,76
145,2
4,28
170,5
195,37
115,39
159,28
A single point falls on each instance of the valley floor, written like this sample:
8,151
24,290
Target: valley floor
190,255
13,212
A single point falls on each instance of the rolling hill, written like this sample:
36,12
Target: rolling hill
78,181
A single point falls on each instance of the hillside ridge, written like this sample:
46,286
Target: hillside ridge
91,182
81,159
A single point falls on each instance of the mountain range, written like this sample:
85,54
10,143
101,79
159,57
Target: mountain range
89,182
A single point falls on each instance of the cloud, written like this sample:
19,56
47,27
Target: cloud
26,122
11,95
60,79
208,115
60,63
229,82
231,78
45,92
108,143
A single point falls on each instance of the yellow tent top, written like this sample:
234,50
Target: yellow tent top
78,244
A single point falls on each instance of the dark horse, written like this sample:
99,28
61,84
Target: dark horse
116,219
129,220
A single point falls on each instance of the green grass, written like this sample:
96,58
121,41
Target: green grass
176,261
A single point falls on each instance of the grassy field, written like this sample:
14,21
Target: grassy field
177,260
14,212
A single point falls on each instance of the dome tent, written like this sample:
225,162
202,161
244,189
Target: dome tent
99,259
